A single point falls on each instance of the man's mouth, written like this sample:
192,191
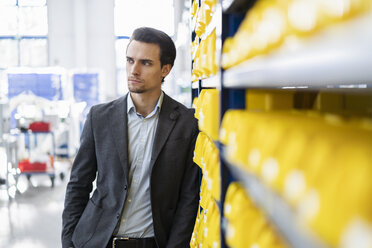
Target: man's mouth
135,80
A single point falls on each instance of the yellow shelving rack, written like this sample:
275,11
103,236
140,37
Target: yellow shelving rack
285,101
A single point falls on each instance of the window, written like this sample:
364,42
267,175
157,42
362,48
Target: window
130,15
23,33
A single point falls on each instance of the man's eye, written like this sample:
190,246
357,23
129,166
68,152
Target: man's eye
129,60
146,63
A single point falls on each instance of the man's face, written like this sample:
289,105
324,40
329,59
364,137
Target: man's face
143,66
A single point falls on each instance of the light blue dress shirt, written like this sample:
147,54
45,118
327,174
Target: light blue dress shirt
136,219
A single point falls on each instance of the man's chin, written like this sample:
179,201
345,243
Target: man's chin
136,90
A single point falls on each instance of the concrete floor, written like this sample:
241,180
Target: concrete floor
33,218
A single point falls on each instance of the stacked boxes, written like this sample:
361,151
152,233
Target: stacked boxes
203,47
318,159
247,226
207,112
206,156
270,23
319,163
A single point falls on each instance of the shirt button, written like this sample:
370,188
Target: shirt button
117,216
125,187
129,200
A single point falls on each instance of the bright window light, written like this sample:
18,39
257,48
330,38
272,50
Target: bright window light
23,33
34,52
8,20
8,2
9,53
33,21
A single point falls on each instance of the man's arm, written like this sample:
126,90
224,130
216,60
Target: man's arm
83,173
187,206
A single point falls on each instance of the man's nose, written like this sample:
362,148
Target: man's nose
135,68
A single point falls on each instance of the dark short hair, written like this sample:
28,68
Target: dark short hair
154,36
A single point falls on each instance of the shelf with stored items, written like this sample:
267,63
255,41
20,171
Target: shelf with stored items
207,225
294,163
206,42
304,44
304,82
335,57
206,156
306,103
277,210
239,210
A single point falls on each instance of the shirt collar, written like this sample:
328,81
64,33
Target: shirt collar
130,104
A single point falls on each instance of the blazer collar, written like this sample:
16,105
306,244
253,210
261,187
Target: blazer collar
118,123
167,119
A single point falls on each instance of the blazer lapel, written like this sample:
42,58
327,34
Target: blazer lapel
119,131
167,118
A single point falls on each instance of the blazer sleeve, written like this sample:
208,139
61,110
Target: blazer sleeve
83,173
187,206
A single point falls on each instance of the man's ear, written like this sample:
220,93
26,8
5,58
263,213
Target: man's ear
165,70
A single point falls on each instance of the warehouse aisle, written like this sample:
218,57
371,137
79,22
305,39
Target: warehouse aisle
33,218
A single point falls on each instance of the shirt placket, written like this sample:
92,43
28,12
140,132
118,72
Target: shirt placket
141,152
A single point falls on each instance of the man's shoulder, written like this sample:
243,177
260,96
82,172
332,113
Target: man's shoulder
110,103
102,108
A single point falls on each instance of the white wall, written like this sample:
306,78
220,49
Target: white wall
81,36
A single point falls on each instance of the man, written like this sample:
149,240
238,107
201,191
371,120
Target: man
139,148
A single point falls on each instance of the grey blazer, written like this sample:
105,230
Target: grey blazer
91,221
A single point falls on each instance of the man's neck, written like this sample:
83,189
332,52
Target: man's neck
145,102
